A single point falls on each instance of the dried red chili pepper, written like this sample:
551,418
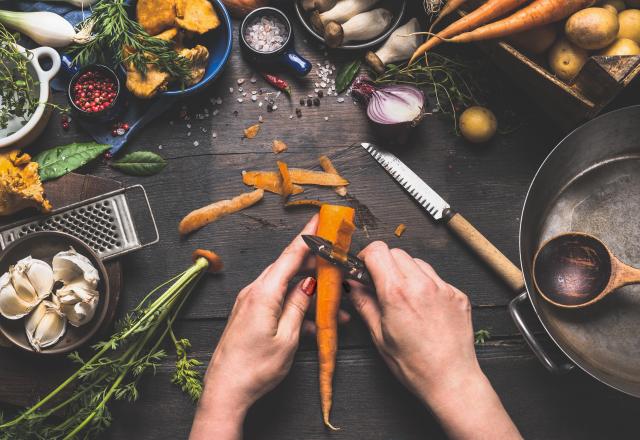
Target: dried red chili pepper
278,83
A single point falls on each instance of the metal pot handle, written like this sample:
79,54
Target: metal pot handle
535,345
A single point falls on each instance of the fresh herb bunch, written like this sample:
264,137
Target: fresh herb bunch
17,84
117,39
115,369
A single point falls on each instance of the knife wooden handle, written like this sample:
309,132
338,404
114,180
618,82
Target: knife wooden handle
508,271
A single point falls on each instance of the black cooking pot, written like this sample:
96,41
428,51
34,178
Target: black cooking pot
589,183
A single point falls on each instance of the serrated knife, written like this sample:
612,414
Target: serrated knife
440,210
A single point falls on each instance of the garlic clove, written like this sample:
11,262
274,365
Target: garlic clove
46,325
21,283
70,265
12,306
40,275
78,302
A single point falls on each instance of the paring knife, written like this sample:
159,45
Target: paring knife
352,266
440,210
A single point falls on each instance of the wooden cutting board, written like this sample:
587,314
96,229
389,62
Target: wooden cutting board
25,375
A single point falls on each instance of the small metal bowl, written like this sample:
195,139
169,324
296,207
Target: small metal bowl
43,246
108,113
397,7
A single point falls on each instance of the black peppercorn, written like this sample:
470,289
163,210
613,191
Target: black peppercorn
316,101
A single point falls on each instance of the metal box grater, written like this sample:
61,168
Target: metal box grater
104,222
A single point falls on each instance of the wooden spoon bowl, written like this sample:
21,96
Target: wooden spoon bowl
576,270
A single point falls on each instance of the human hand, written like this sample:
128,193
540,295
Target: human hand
422,328
257,347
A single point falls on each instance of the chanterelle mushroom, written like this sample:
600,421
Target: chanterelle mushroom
198,57
20,185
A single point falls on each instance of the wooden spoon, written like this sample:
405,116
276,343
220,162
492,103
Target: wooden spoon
576,270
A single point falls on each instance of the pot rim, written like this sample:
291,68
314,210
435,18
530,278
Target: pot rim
44,78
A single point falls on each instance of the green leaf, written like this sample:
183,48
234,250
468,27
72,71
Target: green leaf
140,163
58,161
346,74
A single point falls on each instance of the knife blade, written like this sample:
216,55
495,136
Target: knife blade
352,266
439,209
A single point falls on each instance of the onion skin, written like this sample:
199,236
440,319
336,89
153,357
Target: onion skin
391,131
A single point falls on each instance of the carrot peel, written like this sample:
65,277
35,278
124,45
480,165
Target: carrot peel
287,184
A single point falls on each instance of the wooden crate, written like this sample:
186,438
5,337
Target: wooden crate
599,82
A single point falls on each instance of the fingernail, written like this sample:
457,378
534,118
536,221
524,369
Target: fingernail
346,286
309,286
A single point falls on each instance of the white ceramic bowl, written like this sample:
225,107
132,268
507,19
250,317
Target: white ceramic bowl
40,117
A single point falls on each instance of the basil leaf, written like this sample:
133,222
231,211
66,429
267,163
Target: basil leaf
140,163
58,161
346,74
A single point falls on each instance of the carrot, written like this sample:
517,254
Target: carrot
298,175
483,14
400,229
210,213
215,262
328,300
538,13
268,181
449,8
287,185
328,167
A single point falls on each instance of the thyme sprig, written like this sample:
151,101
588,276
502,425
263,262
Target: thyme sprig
115,369
118,39
17,84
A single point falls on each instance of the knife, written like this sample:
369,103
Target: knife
440,210
352,266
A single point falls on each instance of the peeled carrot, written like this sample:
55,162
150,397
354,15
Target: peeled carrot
330,227
538,13
483,14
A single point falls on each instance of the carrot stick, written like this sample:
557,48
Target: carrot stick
483,14
287,185
210,213
537,14
328,167
328,300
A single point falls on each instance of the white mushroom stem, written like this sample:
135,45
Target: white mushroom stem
399,46
364,26
318,5
341,12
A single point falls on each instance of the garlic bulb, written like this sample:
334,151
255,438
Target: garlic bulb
46,325
27,283
68,266
78,302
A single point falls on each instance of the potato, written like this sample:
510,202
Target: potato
618,5
592,28
478,124
610,8
622,46
630,24
535,41
566,59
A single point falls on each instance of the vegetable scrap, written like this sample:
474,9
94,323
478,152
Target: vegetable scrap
268,181
298,175
328,167
400,230
329,292
252,131
279,146
304,202
20,184
210,213
287,184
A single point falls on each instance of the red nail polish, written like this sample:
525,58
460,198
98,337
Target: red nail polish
309,286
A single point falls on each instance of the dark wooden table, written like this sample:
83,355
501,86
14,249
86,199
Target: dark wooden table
487,183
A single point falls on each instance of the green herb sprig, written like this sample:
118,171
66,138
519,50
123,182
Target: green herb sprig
117,39
17,84
115,369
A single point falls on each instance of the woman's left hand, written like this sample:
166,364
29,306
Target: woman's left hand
257,347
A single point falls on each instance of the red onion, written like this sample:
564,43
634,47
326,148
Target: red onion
394,109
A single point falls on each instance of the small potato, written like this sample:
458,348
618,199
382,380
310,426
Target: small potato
592,28
618,5
478,124
566,59
622,46
535,41
630,24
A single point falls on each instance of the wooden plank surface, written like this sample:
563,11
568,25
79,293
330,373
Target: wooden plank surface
486,183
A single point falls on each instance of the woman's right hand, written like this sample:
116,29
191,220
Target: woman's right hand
422,328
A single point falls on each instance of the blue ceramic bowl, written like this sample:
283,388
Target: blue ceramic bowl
219,42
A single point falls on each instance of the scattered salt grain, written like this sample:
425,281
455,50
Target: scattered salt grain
240,81
253,80
240,99
230,89
254,98
188,125
196,143
214,135
188,134
326,118
240,89
215,112
260,104
120,131
260,119
219,101
340,100
266,34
